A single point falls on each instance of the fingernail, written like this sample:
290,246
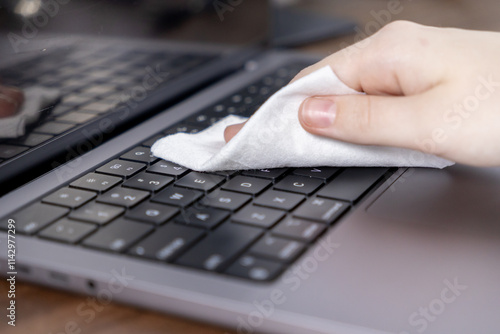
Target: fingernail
318,112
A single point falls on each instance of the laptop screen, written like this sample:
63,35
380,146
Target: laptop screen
230,22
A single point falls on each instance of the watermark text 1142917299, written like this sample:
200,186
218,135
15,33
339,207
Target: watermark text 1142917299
11,271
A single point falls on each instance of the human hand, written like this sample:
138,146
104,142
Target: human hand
10,100
431,89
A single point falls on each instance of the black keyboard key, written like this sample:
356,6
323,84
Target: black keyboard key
184,128
299,229
53,128
109,102
167,168
123,197
226,173
220,109
279,200
177,196
96,182
247,111
258,216
98,90
278,249
31,140
118,235
248,185
75,99
199,119
61,109
225,200
219,248
321,209
97,213
266,173
152,140
200,181
323,173
75,117
34,217
69,197
149,181
167,242
203,119
98,107
140,154
206,218
121,168
9,151
299,184
250,267
352,183
153,213
68,231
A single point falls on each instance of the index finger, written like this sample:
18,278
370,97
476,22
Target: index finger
384,63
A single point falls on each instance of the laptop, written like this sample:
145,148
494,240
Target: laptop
350,250
114,64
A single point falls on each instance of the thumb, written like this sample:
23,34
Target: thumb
365,119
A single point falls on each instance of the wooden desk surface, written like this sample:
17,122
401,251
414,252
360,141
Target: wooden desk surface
43,310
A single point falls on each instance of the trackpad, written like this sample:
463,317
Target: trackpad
458,197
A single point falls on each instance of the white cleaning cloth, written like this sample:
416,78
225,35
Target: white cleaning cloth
35,100
273,137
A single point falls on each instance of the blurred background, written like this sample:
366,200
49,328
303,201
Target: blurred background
243,22
333,25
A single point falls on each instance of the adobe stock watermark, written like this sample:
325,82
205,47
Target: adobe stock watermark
292,281
454,117
33,24
87,311
223,6
380,19
420,320
452,120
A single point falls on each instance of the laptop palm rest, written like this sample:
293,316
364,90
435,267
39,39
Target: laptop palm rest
459,198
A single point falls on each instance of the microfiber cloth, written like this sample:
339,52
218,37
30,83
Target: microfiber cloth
35,100
273,137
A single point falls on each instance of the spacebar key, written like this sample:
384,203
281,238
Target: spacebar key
219,248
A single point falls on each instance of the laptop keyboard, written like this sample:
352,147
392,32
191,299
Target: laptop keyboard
251,224
92,84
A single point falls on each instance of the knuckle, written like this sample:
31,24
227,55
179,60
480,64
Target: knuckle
394,43
399,27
